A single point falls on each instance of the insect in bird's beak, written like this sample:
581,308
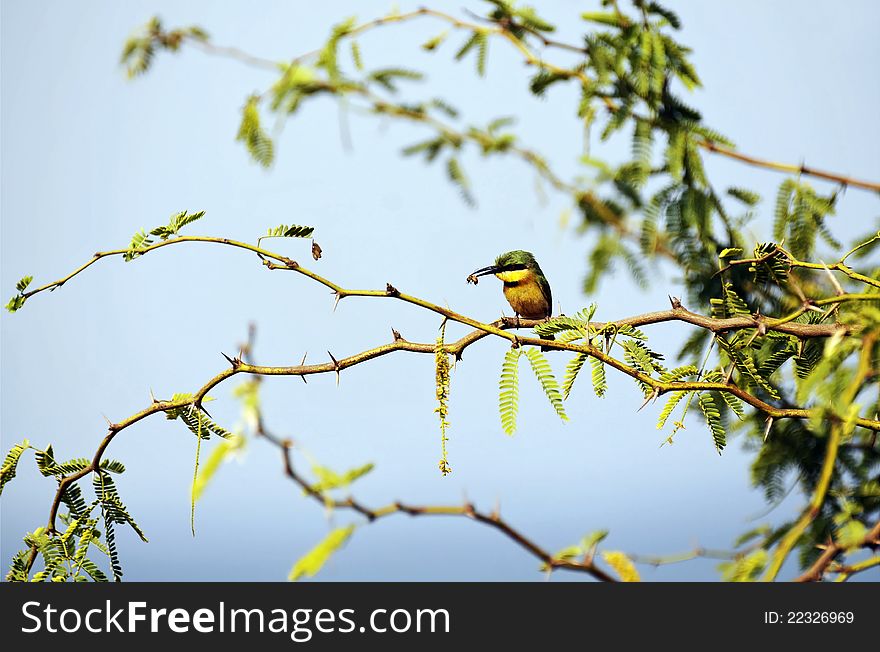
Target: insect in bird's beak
492,269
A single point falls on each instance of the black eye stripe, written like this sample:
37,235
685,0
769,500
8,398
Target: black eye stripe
513,268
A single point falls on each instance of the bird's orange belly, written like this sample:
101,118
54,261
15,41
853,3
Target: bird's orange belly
527,300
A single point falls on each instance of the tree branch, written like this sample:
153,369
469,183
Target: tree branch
498,328
839,266
492,519
816,572
532,59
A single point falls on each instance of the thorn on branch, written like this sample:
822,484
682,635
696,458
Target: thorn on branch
675,302
301,363
235,362
339,296
761,325
291,264
391,291
336,366
198,405
651,397
397,336
767,425
837,287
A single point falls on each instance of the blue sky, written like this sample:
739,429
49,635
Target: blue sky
88,158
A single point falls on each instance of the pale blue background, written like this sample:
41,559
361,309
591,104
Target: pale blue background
88,158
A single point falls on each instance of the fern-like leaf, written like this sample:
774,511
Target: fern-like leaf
457,176
713,418
600,384
545,376
314,560
508,397
671,404
251,133
572,370
10,463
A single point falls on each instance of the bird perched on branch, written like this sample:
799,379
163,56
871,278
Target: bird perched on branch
525,286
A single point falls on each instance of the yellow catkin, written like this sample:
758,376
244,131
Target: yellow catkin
623,565
441,358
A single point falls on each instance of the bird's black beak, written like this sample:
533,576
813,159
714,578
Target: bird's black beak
492,269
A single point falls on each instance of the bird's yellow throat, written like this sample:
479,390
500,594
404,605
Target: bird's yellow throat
515,276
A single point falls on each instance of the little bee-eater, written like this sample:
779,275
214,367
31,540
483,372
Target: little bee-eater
525,286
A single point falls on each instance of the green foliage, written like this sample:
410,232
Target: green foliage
356,55
821,380
730,305
644,360
177,222
543,80
679,373
747,197
386,77
747,568
114,513
15,303
711,411
508,397
571,371
519,20
800,216
606,18
18,570
435,41
587,546
457,176
297,82
10,463
508,400
141,240
773,266
671,403
65,554
737,351
196,420
251,133
600,385
329,479
140,49
545,376
579,322
225,450
288,231
314,560
479,41
293,231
